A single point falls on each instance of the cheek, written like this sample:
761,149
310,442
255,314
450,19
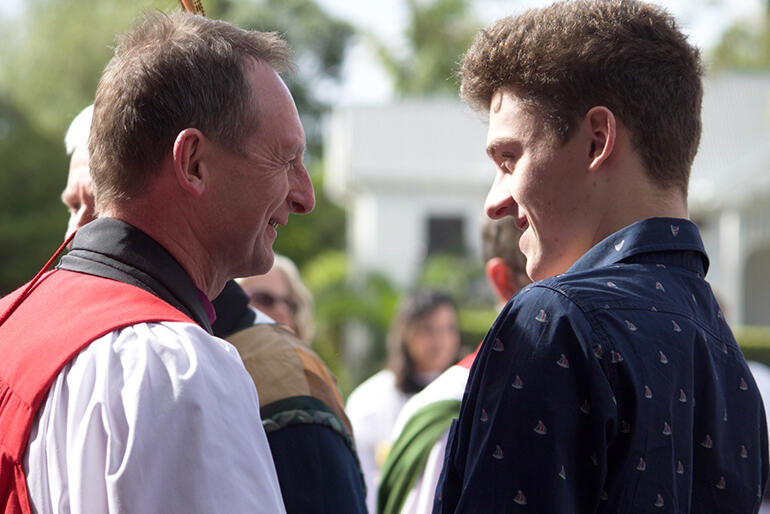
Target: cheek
547,199
414,346
526,184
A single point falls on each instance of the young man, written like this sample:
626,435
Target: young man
613,384
114,395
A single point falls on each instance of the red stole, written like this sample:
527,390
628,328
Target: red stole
64,312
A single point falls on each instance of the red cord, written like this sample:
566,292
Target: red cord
35,280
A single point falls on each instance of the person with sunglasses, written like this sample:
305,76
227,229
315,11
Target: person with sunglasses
268,318
281,294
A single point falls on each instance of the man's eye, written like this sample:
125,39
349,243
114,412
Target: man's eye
507,163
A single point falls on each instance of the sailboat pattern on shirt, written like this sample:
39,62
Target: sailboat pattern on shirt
595,325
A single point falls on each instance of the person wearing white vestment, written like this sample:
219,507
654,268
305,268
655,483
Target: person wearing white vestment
196,158
423,341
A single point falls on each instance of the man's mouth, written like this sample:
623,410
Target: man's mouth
273,224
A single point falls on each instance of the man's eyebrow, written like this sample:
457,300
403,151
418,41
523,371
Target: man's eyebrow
496,143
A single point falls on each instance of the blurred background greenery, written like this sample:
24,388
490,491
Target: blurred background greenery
50,60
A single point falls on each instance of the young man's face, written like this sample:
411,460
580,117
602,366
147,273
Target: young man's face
543,184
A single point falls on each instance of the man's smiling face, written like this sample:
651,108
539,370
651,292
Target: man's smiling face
540,182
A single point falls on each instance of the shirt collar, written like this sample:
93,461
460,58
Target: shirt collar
211,312
233,312
111,248
653,235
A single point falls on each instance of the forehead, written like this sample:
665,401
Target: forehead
512,117
279,121
78,170
441,314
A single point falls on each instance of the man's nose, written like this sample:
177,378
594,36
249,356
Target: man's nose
499,202
301,196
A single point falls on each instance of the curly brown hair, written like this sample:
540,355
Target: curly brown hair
626,55
171,72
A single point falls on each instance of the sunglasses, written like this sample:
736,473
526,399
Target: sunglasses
269,300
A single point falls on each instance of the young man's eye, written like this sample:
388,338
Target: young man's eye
507,162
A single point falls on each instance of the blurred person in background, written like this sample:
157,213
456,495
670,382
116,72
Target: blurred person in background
78,194
281,294
310,437
423,341
413,465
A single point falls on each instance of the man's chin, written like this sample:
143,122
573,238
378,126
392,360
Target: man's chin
265,262
539,270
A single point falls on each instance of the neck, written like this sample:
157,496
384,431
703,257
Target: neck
176,231
631,196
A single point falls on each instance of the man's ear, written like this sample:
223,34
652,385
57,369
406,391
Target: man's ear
500,277
602,128
187,153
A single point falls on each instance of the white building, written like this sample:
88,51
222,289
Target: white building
730,193
413,176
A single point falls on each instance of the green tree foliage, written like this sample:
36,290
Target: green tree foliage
32,220
456,275
437,35
370,301
53,55
318,40
745,46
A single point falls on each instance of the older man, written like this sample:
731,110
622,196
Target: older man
300,405
115,397
613,384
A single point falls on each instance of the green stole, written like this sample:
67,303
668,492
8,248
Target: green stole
409,453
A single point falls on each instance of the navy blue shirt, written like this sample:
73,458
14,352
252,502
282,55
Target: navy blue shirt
615,387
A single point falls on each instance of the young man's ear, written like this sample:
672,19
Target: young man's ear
187,161
500,277
602,128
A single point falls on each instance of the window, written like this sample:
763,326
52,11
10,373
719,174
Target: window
446,235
